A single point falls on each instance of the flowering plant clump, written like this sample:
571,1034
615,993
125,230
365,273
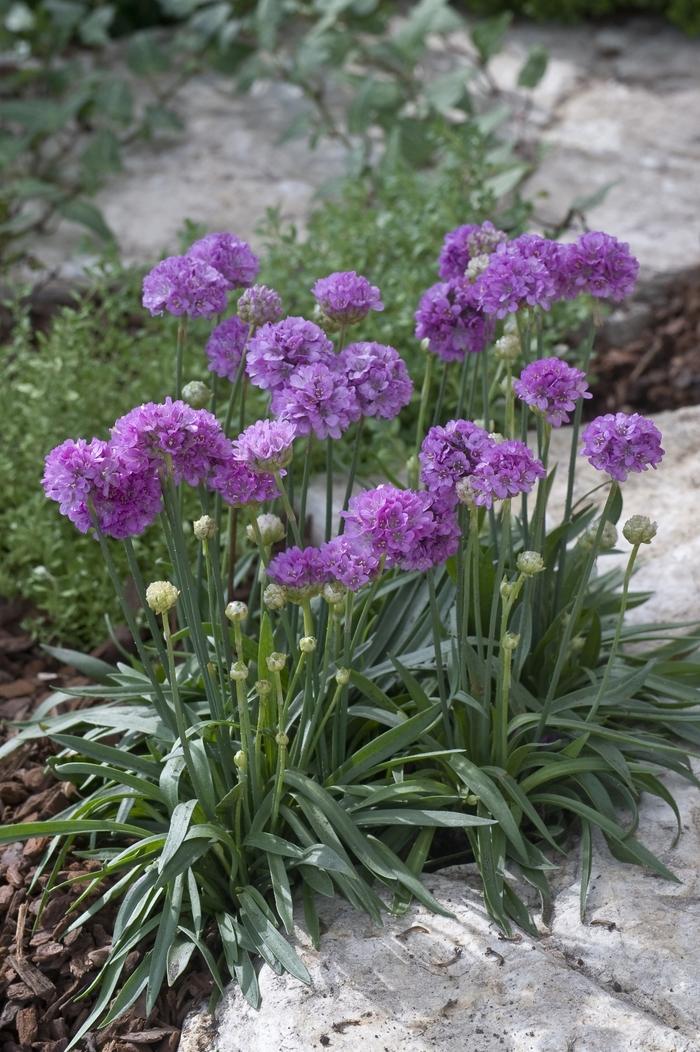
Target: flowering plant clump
317,686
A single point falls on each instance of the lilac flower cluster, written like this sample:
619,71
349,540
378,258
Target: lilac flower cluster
465,243
407,529
240,485
620,443
521,273
266,445
300,571
278,348
450,318
225,347
92,486
233,258
317,399
450,453
259,305
171,436
379,378
600,265
507,469
345,297
185,285
552,387
349,562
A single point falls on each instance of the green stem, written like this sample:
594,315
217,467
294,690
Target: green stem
618,633
329,488
179,353
353,471
288,509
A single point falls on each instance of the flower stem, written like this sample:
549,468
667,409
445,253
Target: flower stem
288,509
179,353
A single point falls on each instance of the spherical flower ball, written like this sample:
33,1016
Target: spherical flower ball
225,347
278,348
300,571
463,244
450,453
521,273
507,469
184,285
600,265
390,520
450,319
350,561
379,378
266,445
619,443
92,485
317,400
171,436
345,297
240,485
551,387
259,305
439,543
233,258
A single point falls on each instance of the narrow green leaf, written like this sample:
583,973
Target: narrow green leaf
268,939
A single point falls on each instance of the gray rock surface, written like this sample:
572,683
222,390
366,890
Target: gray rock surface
625,981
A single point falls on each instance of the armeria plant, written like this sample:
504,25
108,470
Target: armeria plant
444,674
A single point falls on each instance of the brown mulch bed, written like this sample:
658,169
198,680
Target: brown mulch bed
43,969
660,368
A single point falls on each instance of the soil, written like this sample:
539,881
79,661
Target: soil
42,967
660,368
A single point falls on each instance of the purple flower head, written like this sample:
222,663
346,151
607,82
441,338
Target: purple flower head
278,348
234,259
225,347
170,434
87,478
449,317
346,297
600,265
552,387
463,244
439,543
507,468
266,445
317,399
239,484
618,443
449,453
184,285
350,561
379,377
259,305
300,570
390,520
521,273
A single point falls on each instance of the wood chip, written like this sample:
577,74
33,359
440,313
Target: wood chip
33,978
27,1025
148,1037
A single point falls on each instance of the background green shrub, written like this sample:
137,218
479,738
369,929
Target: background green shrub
683,13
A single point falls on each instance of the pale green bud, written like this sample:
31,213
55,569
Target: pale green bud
238,671
507,589
262,687
307,644
275,597
510,641
236,612
282,740
465,493
342,677
639,529
507,349
161,596
476,267
608,538
334,593
196,394
530,563
425,344
205,528
276,661
240,760
270,527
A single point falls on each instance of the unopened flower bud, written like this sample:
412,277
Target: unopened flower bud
639,529
161,596
507,589
465,493
530,563
425,344
608,538
240,760
334,593
262,687
307,644
577,644
342,677
275,597
196,394
507,349
204,528
236,612
282,740
270,527
239,671
476,267
276,661
510,641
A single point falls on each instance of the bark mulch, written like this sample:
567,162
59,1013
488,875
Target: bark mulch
43,968
660,368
